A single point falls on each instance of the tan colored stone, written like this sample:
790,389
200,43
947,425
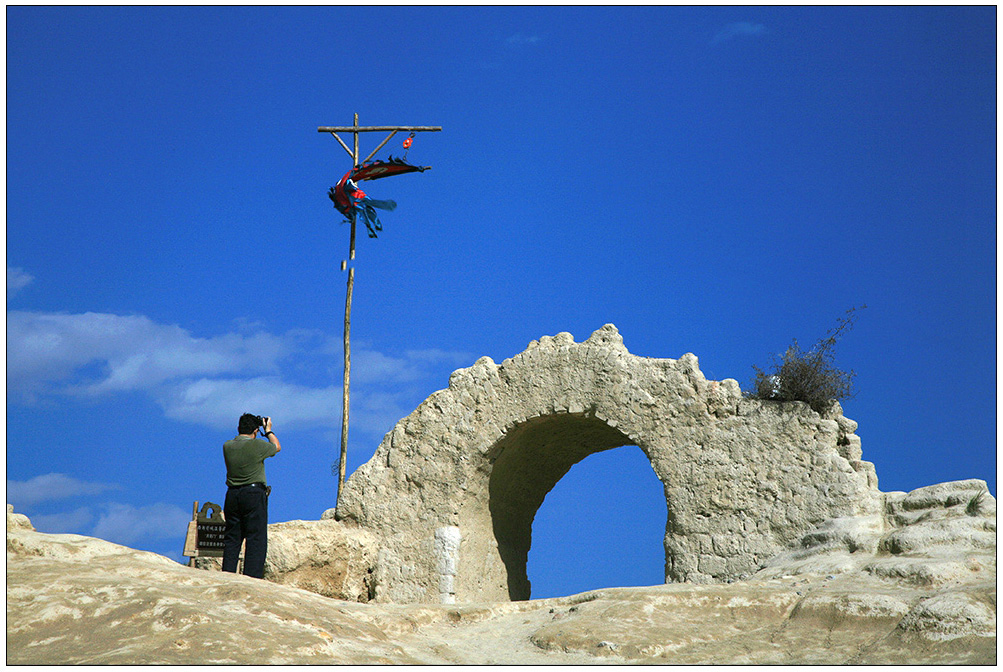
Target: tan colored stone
17,520
324,556
482,455
78,601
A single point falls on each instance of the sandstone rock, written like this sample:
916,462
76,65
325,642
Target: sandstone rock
17,520
808,622
325,557
953,615
930,536
24,542
74,600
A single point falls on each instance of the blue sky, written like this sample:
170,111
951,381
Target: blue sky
714,180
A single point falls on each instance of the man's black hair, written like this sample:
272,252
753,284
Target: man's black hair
248,423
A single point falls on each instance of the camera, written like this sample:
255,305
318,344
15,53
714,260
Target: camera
262,419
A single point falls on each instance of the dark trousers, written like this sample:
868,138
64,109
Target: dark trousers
246,513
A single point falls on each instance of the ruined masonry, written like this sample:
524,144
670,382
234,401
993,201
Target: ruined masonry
452,490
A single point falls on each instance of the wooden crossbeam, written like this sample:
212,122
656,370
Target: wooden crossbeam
366,129
356,129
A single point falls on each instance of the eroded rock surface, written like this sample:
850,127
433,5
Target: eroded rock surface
850,592
324,557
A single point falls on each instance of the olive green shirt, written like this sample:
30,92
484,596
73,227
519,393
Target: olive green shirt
245,460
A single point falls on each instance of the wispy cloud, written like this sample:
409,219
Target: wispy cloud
127,525
516,45
136,353
77,521
48,487
208,381
375,367
522,39
219,402
118,523
738,29
17,280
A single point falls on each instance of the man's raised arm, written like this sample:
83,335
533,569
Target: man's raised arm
274,440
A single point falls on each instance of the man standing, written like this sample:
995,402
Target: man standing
246,504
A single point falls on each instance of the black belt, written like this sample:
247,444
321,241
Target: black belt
251,485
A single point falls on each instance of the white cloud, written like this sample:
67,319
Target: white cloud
118,523
219,403
369,366
520,39
17,280
434,355
125,524
737,29
48,487
133,351
71,522
294,377
376,413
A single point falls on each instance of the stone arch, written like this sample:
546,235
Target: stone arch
452,489
532,458
603,524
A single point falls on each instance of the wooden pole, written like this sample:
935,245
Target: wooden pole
342,461
355,130
343,457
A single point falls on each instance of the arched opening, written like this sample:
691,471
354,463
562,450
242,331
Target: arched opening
602,525
528,462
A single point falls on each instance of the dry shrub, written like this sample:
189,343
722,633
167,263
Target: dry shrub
810,376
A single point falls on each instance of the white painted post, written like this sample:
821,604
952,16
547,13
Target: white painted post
447,557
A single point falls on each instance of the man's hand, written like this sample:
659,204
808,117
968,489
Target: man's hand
274,440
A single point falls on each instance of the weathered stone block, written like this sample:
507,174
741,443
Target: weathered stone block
712,565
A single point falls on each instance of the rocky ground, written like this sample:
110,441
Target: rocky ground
915,585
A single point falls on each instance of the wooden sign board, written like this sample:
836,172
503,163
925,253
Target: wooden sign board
205,532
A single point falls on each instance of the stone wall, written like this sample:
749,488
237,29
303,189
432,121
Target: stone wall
742,478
